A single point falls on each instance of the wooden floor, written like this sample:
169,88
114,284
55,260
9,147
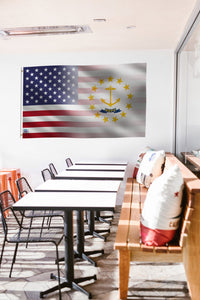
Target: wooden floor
35,263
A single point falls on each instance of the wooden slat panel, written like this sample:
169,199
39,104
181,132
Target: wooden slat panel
188,213
134,230
163,249
185,227
147,248
174,249
183,239
191,198
123,225
156,257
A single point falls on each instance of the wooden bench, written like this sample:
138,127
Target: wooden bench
192,159
185,248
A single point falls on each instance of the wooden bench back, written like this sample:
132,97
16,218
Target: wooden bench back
191,189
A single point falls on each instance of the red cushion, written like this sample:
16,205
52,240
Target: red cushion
156,237
135,170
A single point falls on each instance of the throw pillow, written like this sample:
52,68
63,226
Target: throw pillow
152,166
162,208
139,160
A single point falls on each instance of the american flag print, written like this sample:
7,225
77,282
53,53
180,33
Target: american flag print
84,101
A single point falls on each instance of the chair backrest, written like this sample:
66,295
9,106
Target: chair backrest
69,162
6,204
53,169
46,174
23,186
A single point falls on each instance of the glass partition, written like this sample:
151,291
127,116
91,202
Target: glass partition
188,95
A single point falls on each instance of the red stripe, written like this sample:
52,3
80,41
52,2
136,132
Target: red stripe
56,113
90,91
88,79
92,68
86,101
61,135
60,124
85,91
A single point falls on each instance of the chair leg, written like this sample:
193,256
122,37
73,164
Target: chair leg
2,250
22,219
14,258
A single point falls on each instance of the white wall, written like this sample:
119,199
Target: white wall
32,155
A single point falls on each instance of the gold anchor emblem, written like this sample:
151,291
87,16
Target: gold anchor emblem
110,88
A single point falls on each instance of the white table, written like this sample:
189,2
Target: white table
101,164
90,175
96,167
75,185
83,186
68,201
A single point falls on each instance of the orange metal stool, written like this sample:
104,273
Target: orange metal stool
15,174
5,179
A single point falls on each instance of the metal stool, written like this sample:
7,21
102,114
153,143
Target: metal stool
5,179
15,174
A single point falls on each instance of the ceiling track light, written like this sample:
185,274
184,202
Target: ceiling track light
44,30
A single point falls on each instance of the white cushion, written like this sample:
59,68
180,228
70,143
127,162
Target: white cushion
139,160
151,167
162,207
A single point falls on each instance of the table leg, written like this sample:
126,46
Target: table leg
91,229
81,253
69,280
100,218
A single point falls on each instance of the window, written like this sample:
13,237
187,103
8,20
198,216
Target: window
188,92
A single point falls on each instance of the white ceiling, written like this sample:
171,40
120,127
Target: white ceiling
159,24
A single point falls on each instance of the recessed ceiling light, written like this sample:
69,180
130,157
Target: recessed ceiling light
99,20
130,27
44,30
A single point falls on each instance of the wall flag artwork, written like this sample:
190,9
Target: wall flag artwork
84,101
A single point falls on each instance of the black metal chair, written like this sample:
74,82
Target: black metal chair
15,232
24,188
69,162
53,169
47,174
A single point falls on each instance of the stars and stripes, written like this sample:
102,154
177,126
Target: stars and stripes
65,101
